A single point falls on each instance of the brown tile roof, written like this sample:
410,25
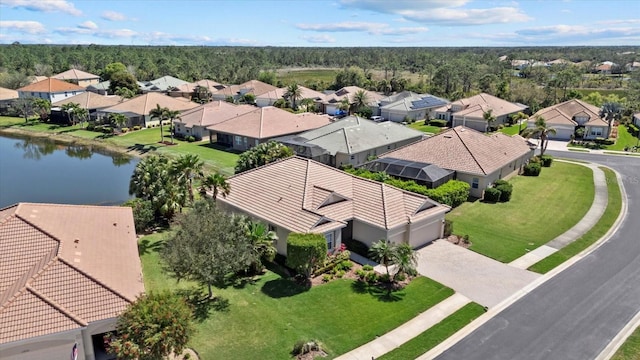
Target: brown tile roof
213,113
466,150
349,92
564,113
63,266
254,87
8,94
305,92
91,100
75,74
477,105
190,87
143,104
268,122
50,85
303,195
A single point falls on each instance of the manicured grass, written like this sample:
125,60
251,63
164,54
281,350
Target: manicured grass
579,150
265,318
436,334
622,154
301,76
420,125
7,121
630,350
625,139
514,129
610,215
541,208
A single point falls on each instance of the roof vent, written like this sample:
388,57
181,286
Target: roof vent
447,136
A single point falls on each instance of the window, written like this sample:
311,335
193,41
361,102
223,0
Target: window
238,140
353,157
329,237
475,183
596,131
273,228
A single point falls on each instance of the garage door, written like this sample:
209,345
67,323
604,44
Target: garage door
562,133
62,352
425,234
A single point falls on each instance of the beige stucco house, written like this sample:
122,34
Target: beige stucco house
470,112
330,103
66,273
409,105
137,109
568,116
304,196
194,122
269,98
50,89
236,92
78,77
476,158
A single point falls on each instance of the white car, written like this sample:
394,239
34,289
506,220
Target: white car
377,118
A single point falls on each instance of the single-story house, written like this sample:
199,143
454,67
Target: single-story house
66,273
269,98
162,84
188,90
605,68
50,89
570,115
330,103
477,158
350,141
260,125
194,122
470,112
87,100
409,105
304,196
137,109
102,88
632,66
7,97
236,92
78,77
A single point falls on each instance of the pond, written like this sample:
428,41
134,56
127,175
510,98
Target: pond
41,170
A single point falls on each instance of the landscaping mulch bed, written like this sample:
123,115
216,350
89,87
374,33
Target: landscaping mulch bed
351,274
457,240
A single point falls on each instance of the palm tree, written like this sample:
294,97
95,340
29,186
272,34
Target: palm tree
43,106
489,118
159,113
360,99
383,252
519,118
81,114
172,115
309,104
611,111
406,260
261,242
118,119
294,92
70,108
217,183
185,168
542,131
344,104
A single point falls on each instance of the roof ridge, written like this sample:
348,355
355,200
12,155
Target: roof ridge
27,277
304,187
64,311
384,206
469,150
94,279
262,110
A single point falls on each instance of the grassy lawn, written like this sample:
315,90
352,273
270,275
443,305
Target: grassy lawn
630,350
610,215
7,121
625,139
420,125
268,316
436,334
514,129
301,76
541,208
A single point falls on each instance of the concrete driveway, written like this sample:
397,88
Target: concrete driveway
483,280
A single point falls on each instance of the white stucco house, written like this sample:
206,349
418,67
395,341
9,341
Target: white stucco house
51,89
469,112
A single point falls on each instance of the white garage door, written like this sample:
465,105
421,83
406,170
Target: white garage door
425,234
562,133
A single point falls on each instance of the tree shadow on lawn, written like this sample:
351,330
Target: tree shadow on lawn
142,148
145,246
201,304
383,292
282,287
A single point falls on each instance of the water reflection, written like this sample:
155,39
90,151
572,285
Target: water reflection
35,149
79,151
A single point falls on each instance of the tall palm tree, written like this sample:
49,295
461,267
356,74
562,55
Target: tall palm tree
489,118
542,131
118,119
261,242
294,92
611,111
172,115
43,106
159,113
519,118
406,260
360,99
82,114
309,104
384,252
69,109
186,168
217,184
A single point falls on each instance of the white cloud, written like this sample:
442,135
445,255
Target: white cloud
44,5
116,33
88,25
113,16
368,27
319,39
619,22
24,27
563,35
442,12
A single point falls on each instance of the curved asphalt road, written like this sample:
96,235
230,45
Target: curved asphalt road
575,314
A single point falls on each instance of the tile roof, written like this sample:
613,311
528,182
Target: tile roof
90,100
564,113
212,113
413,101
279,93
211,85
50,85
163,84
8,94
268,122
349,92
354,134
466,150
313,197
477,105
254,87
143,104
75,74
63,266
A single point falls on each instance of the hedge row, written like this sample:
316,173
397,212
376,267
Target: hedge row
633,129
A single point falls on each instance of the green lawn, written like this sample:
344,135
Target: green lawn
307,75
514,129
610,215
625,139
264,319
541,208
420,125
436,334
630,350
8,121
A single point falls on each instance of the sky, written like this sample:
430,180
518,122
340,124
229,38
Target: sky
320,23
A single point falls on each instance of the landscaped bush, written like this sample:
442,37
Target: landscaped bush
305,252
546,160
344,265
438,123
136,128
604,141
124,130
448,228
143,213
532,169
492,195
633,129
453,193
367,267
191,139
357,247
304,347
371,277
107,129
506,190
361,274
91,127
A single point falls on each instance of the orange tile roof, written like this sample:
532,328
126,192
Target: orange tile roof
303,195
143,104
268,122
464,149
212,113
211,85
75,74
63,266
91,100
50,85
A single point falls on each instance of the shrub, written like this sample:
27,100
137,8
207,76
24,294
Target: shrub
143,213
492,195
367,267
302,347
371,277
305,252
340,274
361,274
453,193
448,228
385,278
633,129
124,130
532,169
327,277
136,128
465,239
357,247
438,123
191,138
401,277
603,141
344,265
546,160
505,192
91,127
107,130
